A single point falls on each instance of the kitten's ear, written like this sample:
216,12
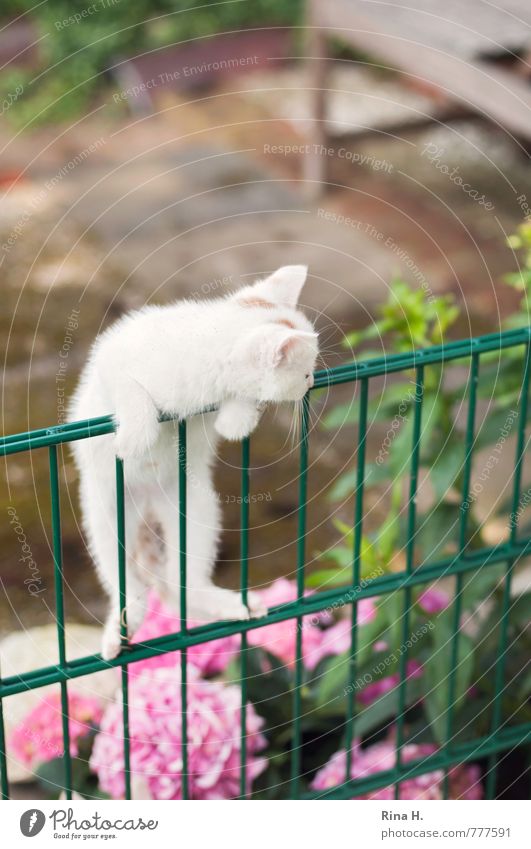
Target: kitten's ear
284,286
289,345
269,345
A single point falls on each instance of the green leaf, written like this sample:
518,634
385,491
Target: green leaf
341,415
344,486
387,706
437,673
446,467
438,530
51,775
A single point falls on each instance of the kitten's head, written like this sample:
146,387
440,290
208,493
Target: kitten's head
277,347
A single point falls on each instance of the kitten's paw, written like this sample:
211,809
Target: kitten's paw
216,604
111,641
236,420
256,606
135,438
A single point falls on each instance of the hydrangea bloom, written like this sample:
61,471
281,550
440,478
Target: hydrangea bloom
39,737
213,711
433,600
209,658
464,779
320,637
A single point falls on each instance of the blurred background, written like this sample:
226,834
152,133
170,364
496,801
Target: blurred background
158,149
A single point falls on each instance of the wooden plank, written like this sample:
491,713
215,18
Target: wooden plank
495,93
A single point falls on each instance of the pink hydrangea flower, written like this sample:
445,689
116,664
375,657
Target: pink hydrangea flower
464,779
373,691
209,658
39,736
433,600
320,637
213,711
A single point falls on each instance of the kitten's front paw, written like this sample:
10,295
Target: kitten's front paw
236,420
111,642
256,606
135,438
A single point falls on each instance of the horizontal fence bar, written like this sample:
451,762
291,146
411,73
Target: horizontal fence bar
426,356
309,604
479,748
102,425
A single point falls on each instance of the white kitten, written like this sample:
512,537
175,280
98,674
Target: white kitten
237,353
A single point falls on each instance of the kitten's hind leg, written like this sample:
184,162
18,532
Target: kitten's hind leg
100,524
205,601
133,614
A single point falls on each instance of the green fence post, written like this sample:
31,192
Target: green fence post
458,600
499,673
244,584
122,590
59,609
410,556
356,571
183,587
301,561
4,783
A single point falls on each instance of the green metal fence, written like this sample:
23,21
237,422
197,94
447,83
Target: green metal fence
502,738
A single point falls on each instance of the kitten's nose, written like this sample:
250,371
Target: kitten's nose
310,381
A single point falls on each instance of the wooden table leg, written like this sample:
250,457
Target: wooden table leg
315,160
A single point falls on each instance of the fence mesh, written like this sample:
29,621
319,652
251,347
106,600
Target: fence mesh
502,738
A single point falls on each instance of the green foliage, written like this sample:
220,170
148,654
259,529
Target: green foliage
75,58
411,318
51,774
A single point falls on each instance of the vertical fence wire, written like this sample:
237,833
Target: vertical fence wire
356,570
244,582
4,782
122,596
301,559
410,557
60,611
462,543
183,617
501,659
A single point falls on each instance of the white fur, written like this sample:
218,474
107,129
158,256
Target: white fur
179,359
